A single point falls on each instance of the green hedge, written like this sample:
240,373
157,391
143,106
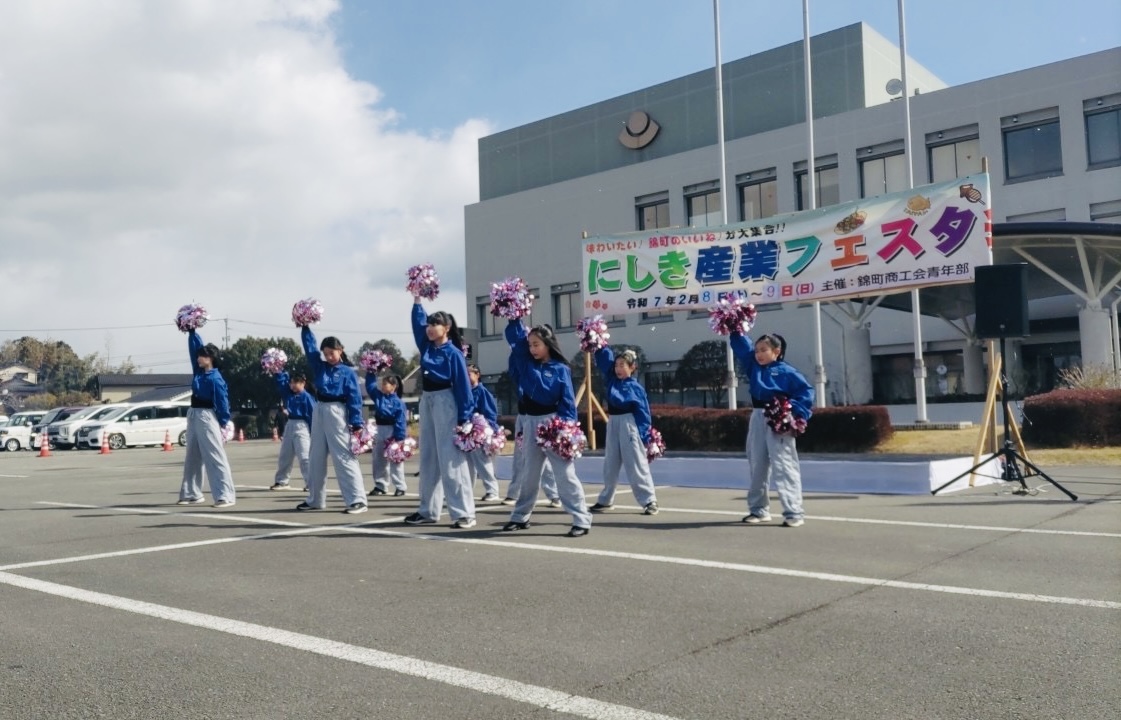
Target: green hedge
1073,418
855,428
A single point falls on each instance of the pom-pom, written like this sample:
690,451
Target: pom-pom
656,448
510,299
363,440
781,419
228,431
307,312
473,434
563,438
496,443
191,317
592,333
374,361
398,451
273,360
731,316
423,281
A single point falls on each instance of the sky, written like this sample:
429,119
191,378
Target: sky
244,155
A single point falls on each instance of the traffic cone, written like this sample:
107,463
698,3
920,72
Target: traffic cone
105,444
241,436
44,445
275,436
167,441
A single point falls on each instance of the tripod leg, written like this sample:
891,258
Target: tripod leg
970,471
1042,474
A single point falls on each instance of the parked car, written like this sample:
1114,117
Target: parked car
16,435
63,433
53,415
137,425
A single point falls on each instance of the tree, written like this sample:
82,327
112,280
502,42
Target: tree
58,367
251,388
401,365
705,366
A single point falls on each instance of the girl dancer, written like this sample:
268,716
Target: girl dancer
390,416
210,411
298,408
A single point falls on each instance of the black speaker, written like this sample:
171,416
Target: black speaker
1000,295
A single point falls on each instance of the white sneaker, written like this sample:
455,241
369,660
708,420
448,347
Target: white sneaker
464,523
355,509
223,504
757,519
555,503
191,501
793,522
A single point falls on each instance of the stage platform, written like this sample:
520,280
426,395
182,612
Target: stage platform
853,474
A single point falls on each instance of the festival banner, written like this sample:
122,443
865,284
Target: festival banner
930,235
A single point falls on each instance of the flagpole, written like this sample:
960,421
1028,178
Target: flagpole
730,360
811,195
916,312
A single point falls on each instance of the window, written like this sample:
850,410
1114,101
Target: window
827,188
703,206
491,326
657,316
882,175
654,215
1105,210
568,308
1103,131
1056,215
1032,148
953,154
141,414
758,195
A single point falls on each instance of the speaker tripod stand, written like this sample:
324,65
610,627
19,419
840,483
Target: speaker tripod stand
1009,457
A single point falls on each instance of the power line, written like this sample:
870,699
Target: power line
49,330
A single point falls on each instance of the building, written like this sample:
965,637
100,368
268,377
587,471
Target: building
649,159
150,386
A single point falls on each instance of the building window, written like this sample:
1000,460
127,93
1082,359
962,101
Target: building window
655,215
1105,210
882,175
827,187
758,195
703,206
657,316
568,308
1103,136
1032,147
956,159
491,326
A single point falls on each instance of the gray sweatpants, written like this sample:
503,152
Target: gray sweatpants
382,467
569,489
331,434
771,455
483,467
444,469
624,450
295,445
548,479
205,450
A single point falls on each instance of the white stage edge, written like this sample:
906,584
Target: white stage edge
860,475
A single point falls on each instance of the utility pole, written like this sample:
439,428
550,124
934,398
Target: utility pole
226,337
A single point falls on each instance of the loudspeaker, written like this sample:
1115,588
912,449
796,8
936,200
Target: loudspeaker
1000,295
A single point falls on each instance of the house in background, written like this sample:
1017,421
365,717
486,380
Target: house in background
135,387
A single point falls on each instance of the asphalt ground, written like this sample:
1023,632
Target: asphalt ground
116,603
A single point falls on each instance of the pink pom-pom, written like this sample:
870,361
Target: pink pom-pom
191,317
780,417
374,361
363,440
592,333
423,281
398,451
228,431
497,442
563,438
473,434
307,312
656,448
731,316
273,361
510,299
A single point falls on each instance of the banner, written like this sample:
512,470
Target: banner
930,235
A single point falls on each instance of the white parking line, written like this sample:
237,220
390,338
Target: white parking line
535,695
365,529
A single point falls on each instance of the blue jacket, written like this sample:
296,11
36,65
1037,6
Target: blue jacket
299,405
485,404
208,385
443,364
624,395
545,383
334,380
778,378
387,407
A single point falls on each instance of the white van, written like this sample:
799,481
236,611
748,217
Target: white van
64,433
136,425
16,435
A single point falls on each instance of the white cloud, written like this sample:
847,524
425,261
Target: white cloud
153,154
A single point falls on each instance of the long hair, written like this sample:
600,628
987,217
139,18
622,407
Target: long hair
211,351
546,335
776,341
333,343
455,337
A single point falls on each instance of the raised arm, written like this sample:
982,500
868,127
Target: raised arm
420,325
194,344
743,349
605,361
311,349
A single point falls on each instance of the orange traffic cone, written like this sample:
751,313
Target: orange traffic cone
167,441
241,436
275,436
44,445
105,443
